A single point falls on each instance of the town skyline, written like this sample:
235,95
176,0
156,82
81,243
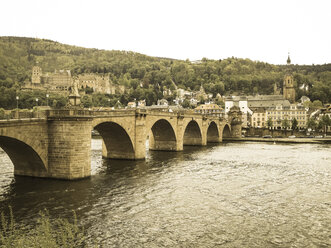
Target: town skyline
185,30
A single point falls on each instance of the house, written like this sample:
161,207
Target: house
162,102
132,104
209,109
142,103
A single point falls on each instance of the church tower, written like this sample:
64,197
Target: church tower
288,84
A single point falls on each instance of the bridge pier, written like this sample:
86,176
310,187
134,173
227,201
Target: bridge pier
69,150
140,136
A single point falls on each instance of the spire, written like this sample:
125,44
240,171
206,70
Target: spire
288,59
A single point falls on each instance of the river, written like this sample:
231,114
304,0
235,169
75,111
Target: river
228,195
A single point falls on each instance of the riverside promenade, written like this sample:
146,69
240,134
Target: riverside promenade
326,140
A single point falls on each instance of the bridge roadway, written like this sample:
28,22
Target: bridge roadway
57,144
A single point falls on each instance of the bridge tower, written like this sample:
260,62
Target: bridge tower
235,115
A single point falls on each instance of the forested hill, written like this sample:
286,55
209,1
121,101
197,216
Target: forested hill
227,76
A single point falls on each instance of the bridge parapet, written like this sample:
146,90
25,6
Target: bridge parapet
68,112
22,114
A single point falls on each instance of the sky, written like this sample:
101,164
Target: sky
261,30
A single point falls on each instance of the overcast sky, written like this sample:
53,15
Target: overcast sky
264,30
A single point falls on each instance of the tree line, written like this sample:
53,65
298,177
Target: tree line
147,77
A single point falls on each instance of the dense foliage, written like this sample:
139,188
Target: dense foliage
148,76
46,233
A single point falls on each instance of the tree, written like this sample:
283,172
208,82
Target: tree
87,101
285,123
269,122
186,103
294,124
311,123
316,104
324,122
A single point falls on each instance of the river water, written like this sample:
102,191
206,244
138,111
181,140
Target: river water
227,195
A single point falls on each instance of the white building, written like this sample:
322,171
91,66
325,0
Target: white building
242,103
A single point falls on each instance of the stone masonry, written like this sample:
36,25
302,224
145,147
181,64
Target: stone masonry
58,145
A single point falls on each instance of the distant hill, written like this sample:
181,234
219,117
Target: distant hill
228,76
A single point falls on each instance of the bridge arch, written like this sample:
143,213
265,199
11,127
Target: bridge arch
162,136
192,134
117,143
25,158
226,131
213,133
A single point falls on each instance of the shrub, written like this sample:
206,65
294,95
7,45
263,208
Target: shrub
47,233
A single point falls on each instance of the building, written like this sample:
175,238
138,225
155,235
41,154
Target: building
209,109
266,101
242,103
61,81
288,84
141,103
322,113
162,102
36,75
258,118
100,84
280,113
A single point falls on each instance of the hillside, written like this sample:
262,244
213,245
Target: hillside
228,76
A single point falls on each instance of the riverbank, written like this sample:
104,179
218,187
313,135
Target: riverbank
282,140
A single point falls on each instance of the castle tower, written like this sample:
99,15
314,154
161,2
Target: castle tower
36,75
288,84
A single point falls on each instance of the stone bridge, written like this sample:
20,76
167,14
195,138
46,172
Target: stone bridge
57,144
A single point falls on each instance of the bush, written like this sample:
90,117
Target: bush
47,233
2,113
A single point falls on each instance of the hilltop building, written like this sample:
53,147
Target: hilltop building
58,81
61,81
97,83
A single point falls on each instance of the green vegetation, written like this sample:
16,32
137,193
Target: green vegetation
294,124
269,123
323,123
311,123
47,233
147,77
285,123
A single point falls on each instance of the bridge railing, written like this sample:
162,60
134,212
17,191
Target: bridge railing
22,114
28,114
114,112
68,112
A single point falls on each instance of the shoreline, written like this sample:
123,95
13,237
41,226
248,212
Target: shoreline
283,140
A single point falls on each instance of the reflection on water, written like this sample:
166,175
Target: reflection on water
229,195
